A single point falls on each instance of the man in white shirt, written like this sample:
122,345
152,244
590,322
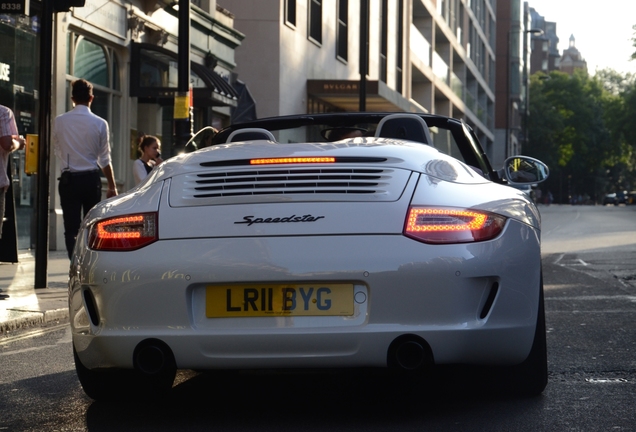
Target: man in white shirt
9,142
81,143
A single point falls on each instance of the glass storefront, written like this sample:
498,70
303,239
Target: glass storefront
98,49
19,74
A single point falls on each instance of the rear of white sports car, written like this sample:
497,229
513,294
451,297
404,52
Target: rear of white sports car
363,253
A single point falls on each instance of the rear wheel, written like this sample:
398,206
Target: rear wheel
530,377
122,384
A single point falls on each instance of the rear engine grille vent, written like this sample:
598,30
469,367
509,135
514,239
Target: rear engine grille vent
293,183
307,181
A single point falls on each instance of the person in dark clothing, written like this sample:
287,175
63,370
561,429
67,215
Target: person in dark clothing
81,141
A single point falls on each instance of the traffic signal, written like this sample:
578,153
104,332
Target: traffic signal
66,5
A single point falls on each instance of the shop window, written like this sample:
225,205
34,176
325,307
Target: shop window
153,79
19,78
90,63
99,65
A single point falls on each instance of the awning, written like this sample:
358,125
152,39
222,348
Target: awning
246,109
345,94
154,77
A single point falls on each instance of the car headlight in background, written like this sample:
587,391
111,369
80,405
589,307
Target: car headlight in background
123,233
448,225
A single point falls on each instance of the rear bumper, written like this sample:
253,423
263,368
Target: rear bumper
337,349
439,293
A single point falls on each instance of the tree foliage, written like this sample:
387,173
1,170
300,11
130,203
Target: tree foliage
634,40
580,126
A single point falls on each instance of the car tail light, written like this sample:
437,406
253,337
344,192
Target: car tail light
448,225
292,160
124,233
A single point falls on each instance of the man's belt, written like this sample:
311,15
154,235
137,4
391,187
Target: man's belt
83,173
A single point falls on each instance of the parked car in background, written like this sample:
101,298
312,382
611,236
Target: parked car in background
631,198
610,199
621,197
322,241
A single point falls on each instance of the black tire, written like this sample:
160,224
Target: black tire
122,384
530,377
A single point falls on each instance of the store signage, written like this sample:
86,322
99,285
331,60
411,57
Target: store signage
108,16
14,7
342,87
5,70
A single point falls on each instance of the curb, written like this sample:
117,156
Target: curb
33,319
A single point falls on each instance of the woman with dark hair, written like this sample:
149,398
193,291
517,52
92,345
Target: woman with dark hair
149,148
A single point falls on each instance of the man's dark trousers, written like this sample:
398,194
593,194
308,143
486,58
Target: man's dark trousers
79,192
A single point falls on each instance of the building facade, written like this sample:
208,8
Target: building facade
571,59
303,56
128,51
296,56
19,81
544,47
513,63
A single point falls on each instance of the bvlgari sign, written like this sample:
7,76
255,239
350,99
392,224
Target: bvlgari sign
339,87
333,87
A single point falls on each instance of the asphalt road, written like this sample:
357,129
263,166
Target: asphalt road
590,291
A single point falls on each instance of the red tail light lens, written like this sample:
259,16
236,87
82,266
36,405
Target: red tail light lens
293,160
447,225
124,233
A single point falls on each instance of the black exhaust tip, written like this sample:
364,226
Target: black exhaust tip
153,357
409,353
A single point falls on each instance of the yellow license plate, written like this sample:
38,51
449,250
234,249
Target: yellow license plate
270,300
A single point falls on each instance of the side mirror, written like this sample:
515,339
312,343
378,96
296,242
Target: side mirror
525,170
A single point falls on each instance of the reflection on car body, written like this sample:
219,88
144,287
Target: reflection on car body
401,249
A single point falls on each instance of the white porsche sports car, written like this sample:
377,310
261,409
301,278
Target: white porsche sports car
347,240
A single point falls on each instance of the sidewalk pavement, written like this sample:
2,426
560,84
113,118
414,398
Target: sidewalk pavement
21,305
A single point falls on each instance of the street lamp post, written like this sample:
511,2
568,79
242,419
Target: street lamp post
43,198
182,117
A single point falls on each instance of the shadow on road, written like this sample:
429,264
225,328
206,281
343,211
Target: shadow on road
295,401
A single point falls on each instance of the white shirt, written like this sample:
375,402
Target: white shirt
7,128
81,140
139,170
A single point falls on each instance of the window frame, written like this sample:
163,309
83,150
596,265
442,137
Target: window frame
399,47
290,13
342,30
384,42
314,22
